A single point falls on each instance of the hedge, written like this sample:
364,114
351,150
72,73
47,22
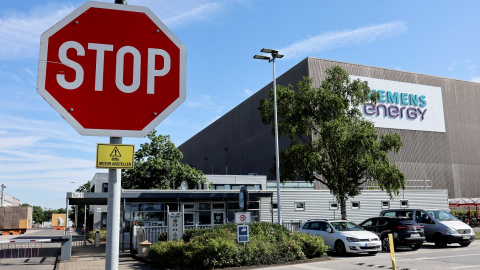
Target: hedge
217,247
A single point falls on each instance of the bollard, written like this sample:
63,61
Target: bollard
66,248
97,238
392,251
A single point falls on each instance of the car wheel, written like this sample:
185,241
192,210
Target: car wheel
439,240
373,252
385,243
340,247
416,246
465,244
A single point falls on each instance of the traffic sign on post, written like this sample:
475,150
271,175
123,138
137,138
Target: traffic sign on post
112,70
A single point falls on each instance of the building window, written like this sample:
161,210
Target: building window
299,206
105,187
404,203
356,205
274,206
333,205
385,204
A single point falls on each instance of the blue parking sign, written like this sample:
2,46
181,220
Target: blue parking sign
242,234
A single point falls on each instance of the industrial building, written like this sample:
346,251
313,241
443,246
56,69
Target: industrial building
436,118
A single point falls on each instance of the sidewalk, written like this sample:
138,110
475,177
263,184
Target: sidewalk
92,258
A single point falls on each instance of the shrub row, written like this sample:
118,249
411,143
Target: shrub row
217,247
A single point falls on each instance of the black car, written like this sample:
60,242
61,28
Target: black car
405,231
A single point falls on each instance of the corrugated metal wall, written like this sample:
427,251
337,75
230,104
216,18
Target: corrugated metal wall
239,143
317,204
451,159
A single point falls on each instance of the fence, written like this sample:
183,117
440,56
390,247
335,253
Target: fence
293,225
79,240
150,233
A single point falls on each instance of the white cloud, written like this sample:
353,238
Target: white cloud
248,92
182,12
195,14
464,65
332,40
475,79
20,32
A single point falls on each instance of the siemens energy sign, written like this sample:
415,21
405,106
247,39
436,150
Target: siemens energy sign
405,105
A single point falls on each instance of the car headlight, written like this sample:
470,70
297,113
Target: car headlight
450,230
353,239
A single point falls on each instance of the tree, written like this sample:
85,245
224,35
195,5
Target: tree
330,140
158,166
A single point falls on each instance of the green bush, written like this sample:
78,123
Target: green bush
162,236
103,235
217,247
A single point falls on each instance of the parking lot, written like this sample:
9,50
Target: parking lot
428,257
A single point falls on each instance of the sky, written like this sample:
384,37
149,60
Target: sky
42,157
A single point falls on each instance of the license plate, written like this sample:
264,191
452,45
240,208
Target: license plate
466,237
370,244
415,235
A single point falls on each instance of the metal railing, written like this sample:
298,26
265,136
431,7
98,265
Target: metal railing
150,233
293,225
409,184
79,240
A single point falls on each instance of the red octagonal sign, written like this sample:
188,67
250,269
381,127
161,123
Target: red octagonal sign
112,70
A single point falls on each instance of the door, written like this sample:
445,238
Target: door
189,214
328,237
422,218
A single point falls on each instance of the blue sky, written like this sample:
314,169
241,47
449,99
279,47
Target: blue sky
40,153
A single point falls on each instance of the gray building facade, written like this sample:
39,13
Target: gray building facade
438,124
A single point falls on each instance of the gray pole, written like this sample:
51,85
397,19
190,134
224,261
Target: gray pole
3,195
113,214
66,216
85,220
113,206
277,153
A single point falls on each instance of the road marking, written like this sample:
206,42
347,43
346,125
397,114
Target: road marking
433,258
306,266
463,267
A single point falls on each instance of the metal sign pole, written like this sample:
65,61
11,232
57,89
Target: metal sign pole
113,214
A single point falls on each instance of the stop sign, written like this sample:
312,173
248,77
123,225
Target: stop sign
112,70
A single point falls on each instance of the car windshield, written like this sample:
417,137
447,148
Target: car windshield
442,215
346,226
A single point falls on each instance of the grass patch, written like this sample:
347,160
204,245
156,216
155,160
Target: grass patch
477,235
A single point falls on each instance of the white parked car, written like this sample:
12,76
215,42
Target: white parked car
343,236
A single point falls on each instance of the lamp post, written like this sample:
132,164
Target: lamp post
274,54
3,195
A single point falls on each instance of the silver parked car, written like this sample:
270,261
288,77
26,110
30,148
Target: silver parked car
343,236
440,227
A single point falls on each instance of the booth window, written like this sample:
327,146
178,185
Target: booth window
299,206
356,205
105,187
385,204
333,205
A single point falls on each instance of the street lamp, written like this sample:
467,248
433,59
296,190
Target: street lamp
274,54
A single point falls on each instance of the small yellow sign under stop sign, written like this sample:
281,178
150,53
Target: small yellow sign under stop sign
115,156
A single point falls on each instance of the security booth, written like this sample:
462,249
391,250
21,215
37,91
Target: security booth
147,209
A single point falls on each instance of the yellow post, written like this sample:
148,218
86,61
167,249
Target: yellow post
392,251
